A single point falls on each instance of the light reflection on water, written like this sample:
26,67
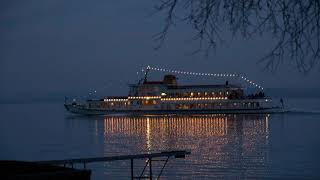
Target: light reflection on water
221,145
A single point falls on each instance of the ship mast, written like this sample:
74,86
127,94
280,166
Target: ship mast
146,74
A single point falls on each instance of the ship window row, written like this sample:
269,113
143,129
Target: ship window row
170,106
206,94
209,106
109,105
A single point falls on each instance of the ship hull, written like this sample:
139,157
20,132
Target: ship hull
86,111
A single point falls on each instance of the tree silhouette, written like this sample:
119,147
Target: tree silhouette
293,24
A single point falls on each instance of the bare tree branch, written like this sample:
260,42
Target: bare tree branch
293,24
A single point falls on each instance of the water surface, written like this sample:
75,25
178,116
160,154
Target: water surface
265,146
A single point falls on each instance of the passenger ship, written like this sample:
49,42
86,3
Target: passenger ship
168,97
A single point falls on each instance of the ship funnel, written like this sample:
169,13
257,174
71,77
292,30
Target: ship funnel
170,80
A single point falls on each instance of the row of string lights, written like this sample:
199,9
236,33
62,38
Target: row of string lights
242,77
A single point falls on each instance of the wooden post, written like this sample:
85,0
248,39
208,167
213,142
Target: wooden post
132,169
150,168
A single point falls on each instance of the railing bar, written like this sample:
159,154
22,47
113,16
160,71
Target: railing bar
145,166
131,168
164,165
150,168
144,177
116,158
155,160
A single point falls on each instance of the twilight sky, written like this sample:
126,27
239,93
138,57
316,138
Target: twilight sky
53,48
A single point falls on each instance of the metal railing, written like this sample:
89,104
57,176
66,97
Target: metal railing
149,156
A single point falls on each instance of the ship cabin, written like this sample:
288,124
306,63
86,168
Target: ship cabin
167,94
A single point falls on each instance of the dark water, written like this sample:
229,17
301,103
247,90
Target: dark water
275,146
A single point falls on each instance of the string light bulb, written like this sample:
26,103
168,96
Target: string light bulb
247,80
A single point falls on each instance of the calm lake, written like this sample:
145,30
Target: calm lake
265,146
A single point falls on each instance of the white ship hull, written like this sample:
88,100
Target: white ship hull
86,111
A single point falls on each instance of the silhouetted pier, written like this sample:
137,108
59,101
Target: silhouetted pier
150,157
21,170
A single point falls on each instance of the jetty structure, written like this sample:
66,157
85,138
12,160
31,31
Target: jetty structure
65,169
150,159
167,96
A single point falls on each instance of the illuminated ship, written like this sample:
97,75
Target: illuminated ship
168,97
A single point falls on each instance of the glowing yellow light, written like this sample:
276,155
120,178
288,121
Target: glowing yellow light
192,99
